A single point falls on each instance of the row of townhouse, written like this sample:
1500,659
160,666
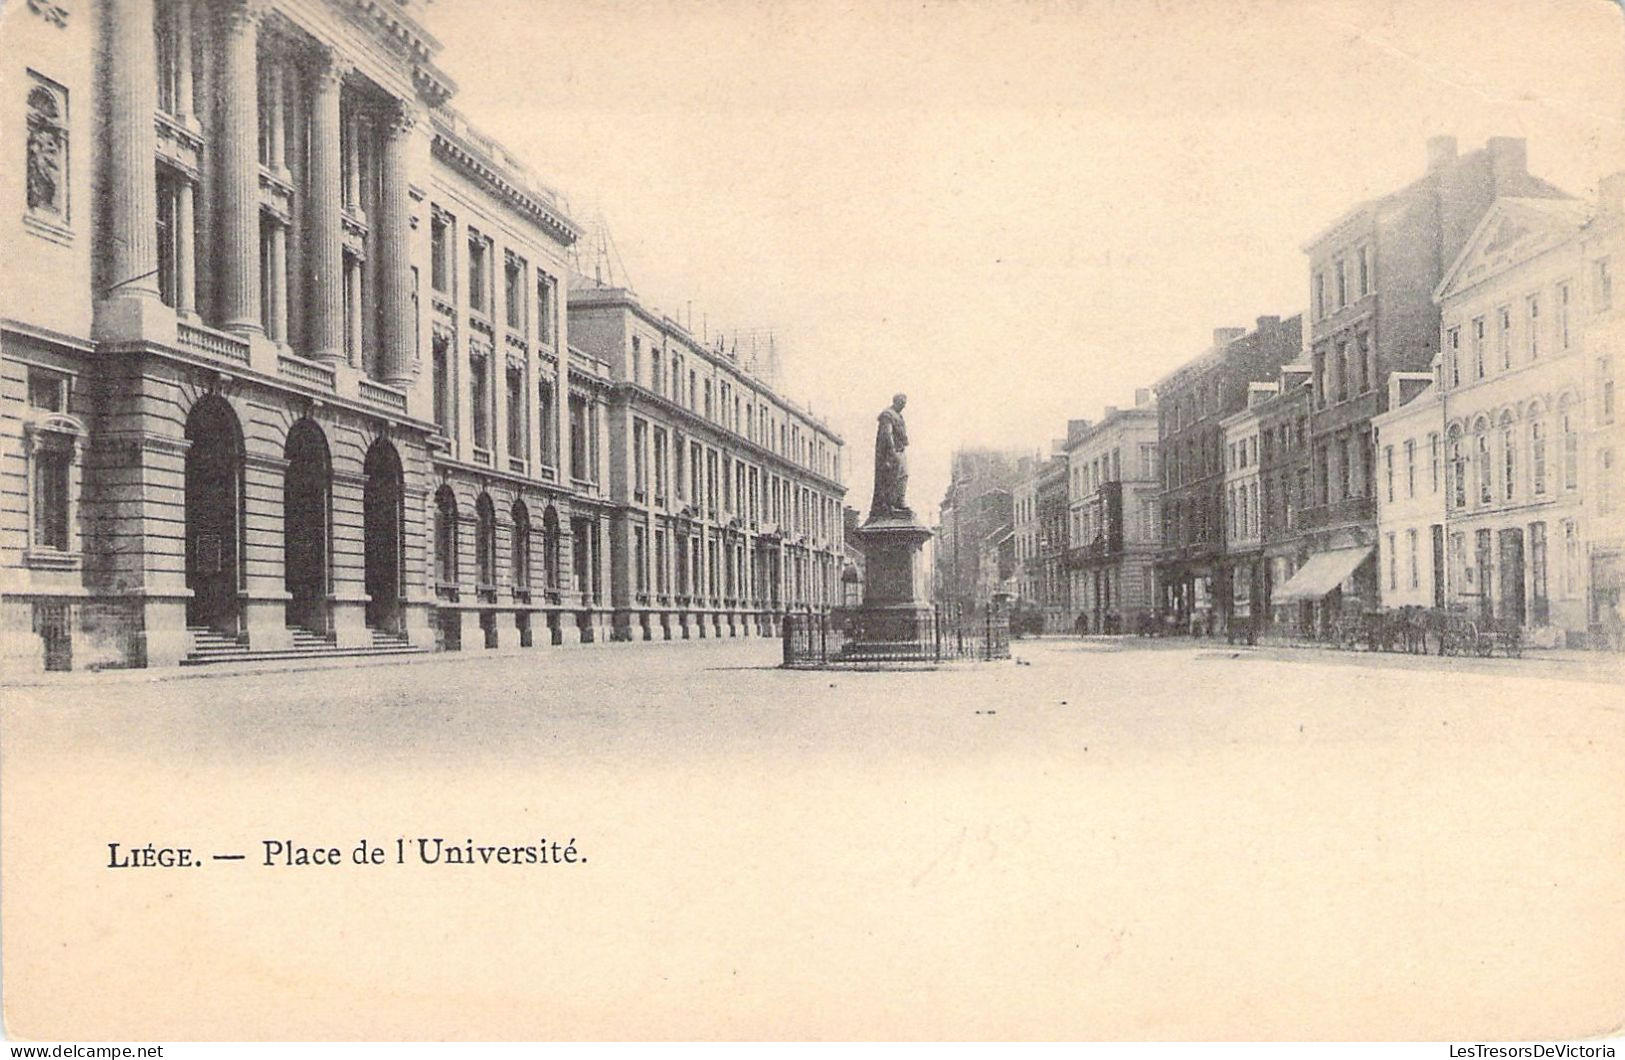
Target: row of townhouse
292,360
1438,429
1086,523
1498,483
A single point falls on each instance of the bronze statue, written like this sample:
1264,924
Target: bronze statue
891,466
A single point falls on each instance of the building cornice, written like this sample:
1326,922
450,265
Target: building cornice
623,298
459,153
693,423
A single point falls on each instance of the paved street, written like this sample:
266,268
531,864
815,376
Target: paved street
1102,839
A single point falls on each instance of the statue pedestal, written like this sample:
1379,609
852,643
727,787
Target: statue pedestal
896,614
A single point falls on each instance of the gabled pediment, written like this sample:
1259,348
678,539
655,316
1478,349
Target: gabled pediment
1511,232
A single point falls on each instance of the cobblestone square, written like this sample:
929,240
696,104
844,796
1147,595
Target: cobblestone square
1102,839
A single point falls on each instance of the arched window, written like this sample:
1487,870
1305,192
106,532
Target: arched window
521,547
550,548
445,538
1537,452
1509,458
1458,470
1571,447
485,542
1486,470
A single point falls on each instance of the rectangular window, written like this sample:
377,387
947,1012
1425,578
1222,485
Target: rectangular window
169,235
545,309
1509,463
1537,570
1564,300
578,438
640,461
1388,464
1605,481
518,428
1571,453
640,558
442,386
1602,285
1413,559
513,292
1458,474
440,267
1320,301
1342,285
1531,322
660,465
1537,457
1478,347
480,399
544,423
1503,335
51,467
47,391
1605,390
1571,558
1453,340
1393,562
1410,467
478,280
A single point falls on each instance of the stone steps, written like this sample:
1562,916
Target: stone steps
211,646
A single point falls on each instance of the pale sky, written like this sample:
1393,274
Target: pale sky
1016,212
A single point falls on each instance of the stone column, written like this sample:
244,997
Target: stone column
324,195
186,253
131,143
237,138
394,265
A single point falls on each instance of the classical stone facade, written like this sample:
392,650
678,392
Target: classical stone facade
284,351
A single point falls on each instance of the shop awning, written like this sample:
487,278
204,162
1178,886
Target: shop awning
1324,572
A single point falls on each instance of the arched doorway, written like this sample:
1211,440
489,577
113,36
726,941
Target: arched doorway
307,525
521,550
485,546
383,508
214,495
445,543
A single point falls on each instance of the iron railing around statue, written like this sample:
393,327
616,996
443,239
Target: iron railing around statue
844,637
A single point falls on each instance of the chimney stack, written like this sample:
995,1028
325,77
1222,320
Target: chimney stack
1441,152
1611,195
1142,397
1509,163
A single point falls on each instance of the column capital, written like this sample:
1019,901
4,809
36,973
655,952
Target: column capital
329,69
400,117
242,16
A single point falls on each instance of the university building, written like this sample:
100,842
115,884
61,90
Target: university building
726,498
285,357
